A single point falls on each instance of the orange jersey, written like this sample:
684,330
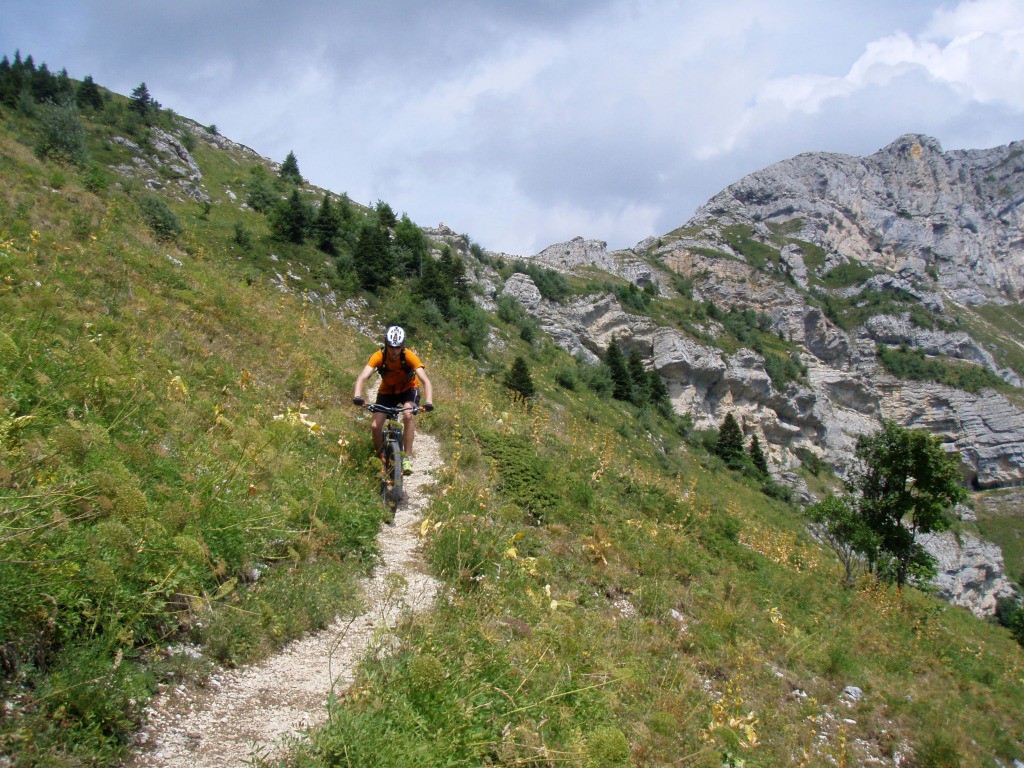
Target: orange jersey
395,377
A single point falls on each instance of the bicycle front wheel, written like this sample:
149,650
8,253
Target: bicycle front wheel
397,494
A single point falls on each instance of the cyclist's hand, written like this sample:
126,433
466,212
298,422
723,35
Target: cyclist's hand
358,401
428,407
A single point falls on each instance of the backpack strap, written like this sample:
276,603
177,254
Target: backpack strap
405,363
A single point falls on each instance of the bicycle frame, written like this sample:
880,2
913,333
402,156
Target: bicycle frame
392,451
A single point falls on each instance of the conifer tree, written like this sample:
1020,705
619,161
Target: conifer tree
327,226
142,103
8,88
291,219
622,384
519,380
658,392
374,260
290,169
757,457
638,378
730,442
411,244
385,215
89,94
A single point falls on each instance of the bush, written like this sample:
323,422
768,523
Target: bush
606,747
62,135
160,218
565,377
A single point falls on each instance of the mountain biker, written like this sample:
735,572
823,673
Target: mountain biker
401,373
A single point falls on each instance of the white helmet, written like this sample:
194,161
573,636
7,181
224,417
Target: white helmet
395,336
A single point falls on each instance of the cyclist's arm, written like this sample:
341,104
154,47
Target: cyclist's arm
361,379
428,389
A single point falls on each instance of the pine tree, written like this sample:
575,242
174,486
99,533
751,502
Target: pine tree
638,377
434,288
44,84
519,380
291,219
385,215
412,245
757,457
374,260
290,169
730,442
142,103
658,392
622,385
89,94
327,226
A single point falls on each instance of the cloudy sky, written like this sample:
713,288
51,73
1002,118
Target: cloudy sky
527,123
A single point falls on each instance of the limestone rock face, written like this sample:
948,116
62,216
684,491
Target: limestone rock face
986,429
167,153
970,572
578,256
909,208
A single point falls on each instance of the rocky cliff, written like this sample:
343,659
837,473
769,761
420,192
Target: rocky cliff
916,232
840,259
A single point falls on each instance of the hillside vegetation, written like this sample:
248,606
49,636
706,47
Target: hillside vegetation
181,470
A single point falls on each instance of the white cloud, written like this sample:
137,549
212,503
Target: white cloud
524,124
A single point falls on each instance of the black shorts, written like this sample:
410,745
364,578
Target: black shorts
394,401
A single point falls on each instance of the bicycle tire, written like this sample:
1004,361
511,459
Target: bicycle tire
397,491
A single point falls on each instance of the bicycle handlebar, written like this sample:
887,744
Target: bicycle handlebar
388,409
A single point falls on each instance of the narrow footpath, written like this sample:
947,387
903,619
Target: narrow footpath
249,711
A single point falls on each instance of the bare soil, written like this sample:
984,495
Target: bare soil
253,711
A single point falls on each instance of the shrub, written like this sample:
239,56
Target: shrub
565,377
243,237
844,275
160,218
62,135
606,747
261,195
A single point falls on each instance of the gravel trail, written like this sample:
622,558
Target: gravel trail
249,711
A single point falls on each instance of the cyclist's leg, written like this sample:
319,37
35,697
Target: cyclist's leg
377,429
408,421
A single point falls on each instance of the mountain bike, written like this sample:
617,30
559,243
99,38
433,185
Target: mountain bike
391,457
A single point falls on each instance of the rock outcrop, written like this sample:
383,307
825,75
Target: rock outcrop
909,208
970,572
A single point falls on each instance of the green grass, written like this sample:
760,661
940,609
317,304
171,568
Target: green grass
759,255
562,634
914,365
151,461
999,329
1000,521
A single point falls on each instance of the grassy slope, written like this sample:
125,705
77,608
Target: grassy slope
610,601
151,459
